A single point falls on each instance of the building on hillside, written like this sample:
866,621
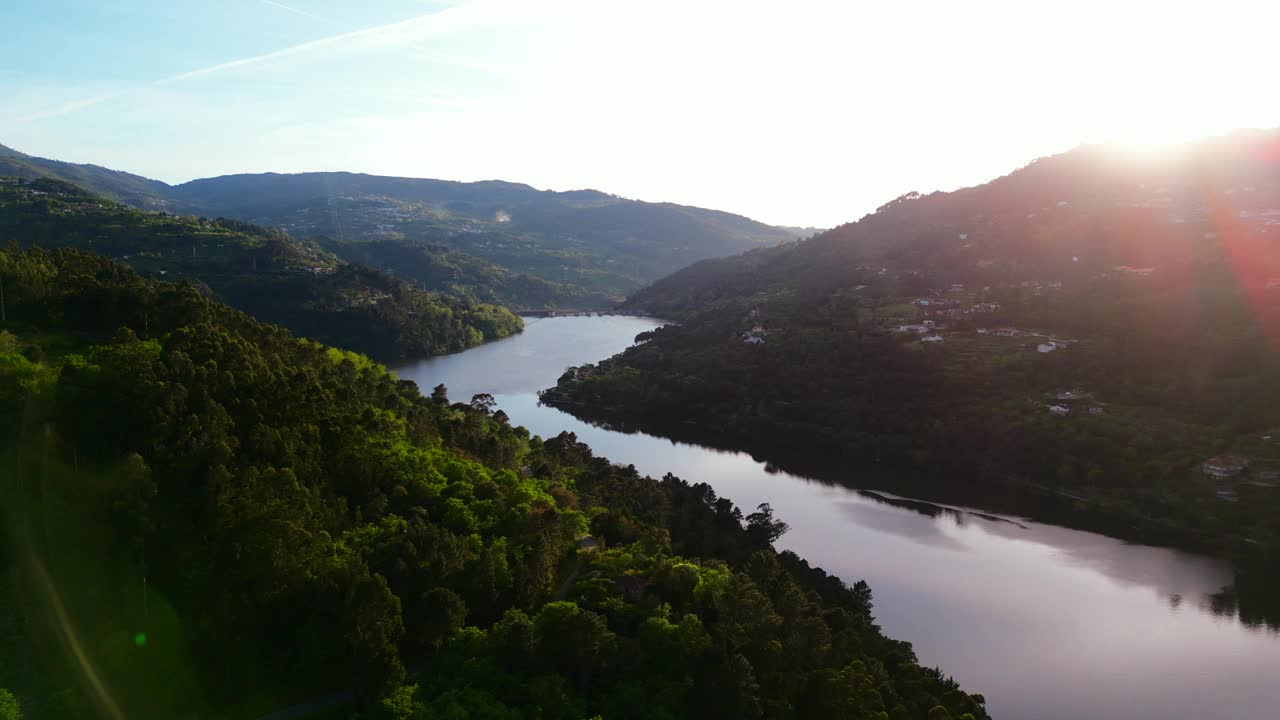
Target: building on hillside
1005,332
1071,395
1059,409
1047,347
1225,467
919,328
931,339
753,340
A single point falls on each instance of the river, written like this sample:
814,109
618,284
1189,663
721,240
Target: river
1047,622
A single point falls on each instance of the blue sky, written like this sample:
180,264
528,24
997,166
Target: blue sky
804,113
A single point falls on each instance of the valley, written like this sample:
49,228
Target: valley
956,581
493,241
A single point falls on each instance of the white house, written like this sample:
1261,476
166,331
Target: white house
920,328
1047,347
931,339
1224,467
1059,409
753,340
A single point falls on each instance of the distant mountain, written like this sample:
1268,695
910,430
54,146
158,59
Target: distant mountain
1066,218
802,232
267,273
121,186
583,247
588,239
1090,329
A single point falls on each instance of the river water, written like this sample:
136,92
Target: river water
1049,623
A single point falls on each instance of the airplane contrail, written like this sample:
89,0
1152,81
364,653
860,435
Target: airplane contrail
441,21
294,10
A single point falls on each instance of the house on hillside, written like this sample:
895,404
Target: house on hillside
1225,467
753,340
1047,347
931,339
1059,409
1005,332
919,328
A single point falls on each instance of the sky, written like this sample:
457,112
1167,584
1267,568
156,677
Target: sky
796,113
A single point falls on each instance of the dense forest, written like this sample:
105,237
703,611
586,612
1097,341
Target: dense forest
443,269
205,515
263,271
507,243
1094,329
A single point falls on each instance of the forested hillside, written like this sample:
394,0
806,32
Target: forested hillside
446,270
206,516
510,244
1094,328
266,272
120,186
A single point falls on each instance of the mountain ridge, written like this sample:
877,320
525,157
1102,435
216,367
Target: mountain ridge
1085,332
596,246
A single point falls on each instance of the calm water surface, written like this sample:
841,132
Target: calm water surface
1049,623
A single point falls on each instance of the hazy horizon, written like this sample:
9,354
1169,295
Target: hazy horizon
808,115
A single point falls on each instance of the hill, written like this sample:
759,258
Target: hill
204,516
1092,328
275,277
579,248
597,242
120,186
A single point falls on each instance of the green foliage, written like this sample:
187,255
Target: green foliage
9,709
262,271
282,522
1165,368
490,242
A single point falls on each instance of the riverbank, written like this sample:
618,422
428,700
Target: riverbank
1140,627
1021,497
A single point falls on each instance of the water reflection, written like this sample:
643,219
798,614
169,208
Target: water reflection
1050,623
886,521
1174,574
